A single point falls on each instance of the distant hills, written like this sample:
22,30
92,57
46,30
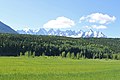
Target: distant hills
67,33
6,29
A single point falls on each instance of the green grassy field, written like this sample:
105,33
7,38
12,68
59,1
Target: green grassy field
56,68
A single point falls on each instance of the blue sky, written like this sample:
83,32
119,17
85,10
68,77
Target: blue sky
35,14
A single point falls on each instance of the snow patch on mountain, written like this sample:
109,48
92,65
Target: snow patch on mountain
67,33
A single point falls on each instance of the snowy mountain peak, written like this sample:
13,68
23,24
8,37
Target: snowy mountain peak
26,29
90,30
41,31
51,32
67,33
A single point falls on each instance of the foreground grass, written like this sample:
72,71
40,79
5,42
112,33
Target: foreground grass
56,68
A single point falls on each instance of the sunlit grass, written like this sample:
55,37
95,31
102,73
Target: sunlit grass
57,68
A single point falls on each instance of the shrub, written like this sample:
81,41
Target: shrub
21,54
29,53
43,54
63,54
33,55
78,55
105,56
68,55
117,57
72,55
26,53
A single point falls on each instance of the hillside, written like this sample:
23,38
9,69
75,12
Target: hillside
6,29
12,45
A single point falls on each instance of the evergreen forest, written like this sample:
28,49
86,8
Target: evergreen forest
66,47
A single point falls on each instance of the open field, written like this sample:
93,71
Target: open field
57,68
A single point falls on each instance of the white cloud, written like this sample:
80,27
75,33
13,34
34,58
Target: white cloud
87,27
60,22
96,27
82,19
98,18
99,27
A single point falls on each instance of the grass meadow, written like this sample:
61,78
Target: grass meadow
57,68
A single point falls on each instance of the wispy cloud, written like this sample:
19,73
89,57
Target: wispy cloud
98,18
99,27
60,22
96,27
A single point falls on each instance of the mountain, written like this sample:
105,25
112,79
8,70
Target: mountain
42,31
26,31
51,32
67,33
89,33
6,29
95,34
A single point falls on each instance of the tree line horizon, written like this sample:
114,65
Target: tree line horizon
75,48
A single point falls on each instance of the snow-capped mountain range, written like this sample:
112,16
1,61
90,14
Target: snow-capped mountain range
67,33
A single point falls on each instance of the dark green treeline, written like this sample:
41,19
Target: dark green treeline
91,48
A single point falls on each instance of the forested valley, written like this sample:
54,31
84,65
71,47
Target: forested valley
75,48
